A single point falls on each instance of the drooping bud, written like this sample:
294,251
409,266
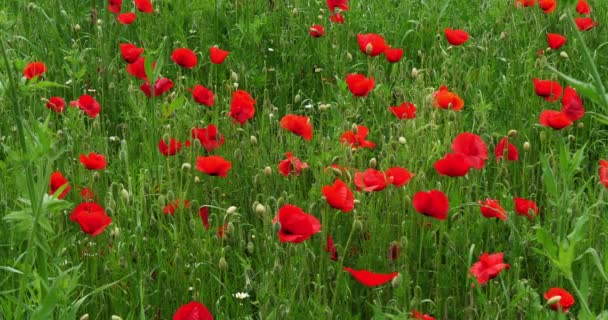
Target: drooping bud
223,264
526,146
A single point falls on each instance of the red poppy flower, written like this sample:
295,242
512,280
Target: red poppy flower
393,55
585,24
556,40
371,44
490,208
87,194
202,95
209,137
488,267
554,119
171,207
316,31
126,18
331,248
525,3
291,165
333,4
339,196
398,176
213,165
161,86
171,149
336,18
193,311
604,172
371,180
184,57
453,165
203,213
138,68
34,69
547,6
241,107
445,99
572,105
472,147
144,6
565,302
404,111
218,55
94,161
525,207
419,316
88,104
549,90
505,145
299,125
371,279
357,140
56,104
434,204
456,37
57,181
359,85
91,217
296,225
130,52
115,6
582,7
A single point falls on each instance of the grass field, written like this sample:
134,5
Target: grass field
183,229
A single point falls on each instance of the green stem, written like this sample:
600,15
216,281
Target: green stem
581,297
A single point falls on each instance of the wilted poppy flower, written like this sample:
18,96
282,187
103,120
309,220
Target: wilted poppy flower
556,40
453,165
359,85
371,279
130,52
604,172
218,55
203,213
209,137
456,37
34,69
222,230
202,95
94,161
339,196
488,267
582,7
584,24
336,18
213,165
299,125
490,208
91,217
184,57
333,4
472,147
171,149
404,111
525,3
505,145
144,6
316,31
371,44
394,250
241,107
525,207
126,18
191,311
331,248
296,225
549,90
57,181
393,55
371,180
357,140
138,68
445,99
56,104
88,104
291,165
161,86
434,204
566,300
115,6
547,6
554,119
420,316
398,176
572,105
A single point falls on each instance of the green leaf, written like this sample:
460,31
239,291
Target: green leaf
548,178
10,269
45,84
586,89
169,109
596,260
544,238
578,233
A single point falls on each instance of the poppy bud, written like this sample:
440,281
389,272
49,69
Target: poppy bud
260,209
196,143
369,48
563,54
250,247
170,195
186,166
356,201
357,225
320,16
512,133
402,140
563,16
77,29
373,163
571,138
294,12
297,98
323,107
396,282
235,85
553,300
337,172
234,76
268,171
526,146
125,195
223,264
197,179
277,265
503,35
231,210
543,136
115,233
96,175
115,317
276,227
415,73
162,201
420,54
349,178
99,22
349,56
580,125
253,140
85,317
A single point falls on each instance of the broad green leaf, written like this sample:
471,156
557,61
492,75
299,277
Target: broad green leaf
586,89
544,238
